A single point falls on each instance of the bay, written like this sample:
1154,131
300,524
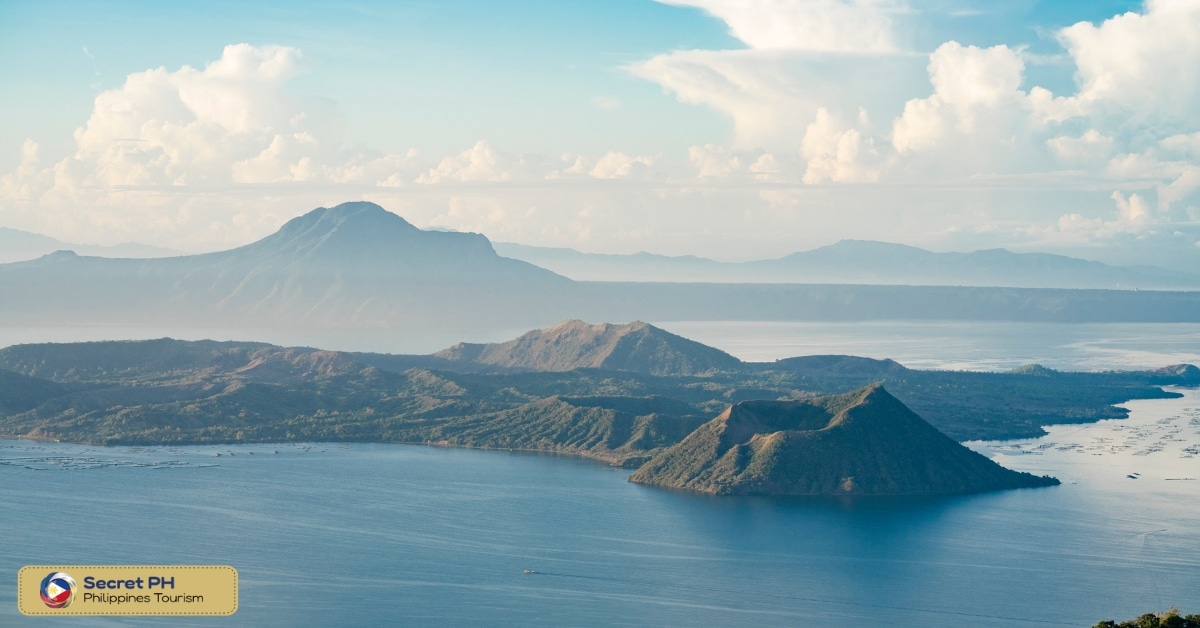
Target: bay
330,535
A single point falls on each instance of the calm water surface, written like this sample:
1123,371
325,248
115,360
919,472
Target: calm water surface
917,344
959,345
359,534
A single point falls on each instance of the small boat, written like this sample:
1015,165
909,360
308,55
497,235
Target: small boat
529,571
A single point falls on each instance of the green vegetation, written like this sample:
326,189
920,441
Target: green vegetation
635,347
169,391
1166,619
860,443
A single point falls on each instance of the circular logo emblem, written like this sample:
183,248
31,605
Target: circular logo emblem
58,589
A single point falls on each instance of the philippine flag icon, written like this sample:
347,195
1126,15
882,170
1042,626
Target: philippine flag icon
58,589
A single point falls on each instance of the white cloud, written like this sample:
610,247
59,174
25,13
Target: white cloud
819,25
1088,147
484,163
771,96
22,187
285,159
223,152
1133,216
838,154
1143,64
166,128
1187,145
976,94
713,161
163,134
617,165
481,162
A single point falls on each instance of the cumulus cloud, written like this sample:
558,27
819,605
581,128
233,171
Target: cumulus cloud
713,161
1143,64
819,25
617,165
804,90
1088,147
162,132
162,140
839,154
1133,216
166,128
481,162
823,101
976,94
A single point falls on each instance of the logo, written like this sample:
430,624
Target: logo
58,589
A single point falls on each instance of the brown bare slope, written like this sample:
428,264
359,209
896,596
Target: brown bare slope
637,347
861,443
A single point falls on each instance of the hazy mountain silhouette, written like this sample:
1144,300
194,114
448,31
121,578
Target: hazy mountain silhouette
861,443
861,262
358,267
18,246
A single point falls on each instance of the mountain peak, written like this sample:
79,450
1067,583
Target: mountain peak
353,215
1033,369
364,233
638,347
1177,374
361,209
865,442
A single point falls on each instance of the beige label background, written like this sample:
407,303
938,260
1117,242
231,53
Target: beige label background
217,583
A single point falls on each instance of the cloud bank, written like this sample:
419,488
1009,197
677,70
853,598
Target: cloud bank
838,128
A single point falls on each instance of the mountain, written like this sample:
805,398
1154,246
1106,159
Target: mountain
641,266
359,272
355,265
19,393
841,366
861,262
861,443
636,347
19,246
171,391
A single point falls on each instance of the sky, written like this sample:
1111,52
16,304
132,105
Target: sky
729,129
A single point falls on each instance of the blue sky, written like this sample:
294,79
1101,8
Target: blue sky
732,129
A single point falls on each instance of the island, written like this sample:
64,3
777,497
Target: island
863,442
623,394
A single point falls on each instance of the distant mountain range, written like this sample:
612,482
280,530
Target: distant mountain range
860,262
19,246
863,442
846,262
358,267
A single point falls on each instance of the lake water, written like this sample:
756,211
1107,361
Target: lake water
364,534
917,344
959,345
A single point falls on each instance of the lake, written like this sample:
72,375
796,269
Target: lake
960,345
360,534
